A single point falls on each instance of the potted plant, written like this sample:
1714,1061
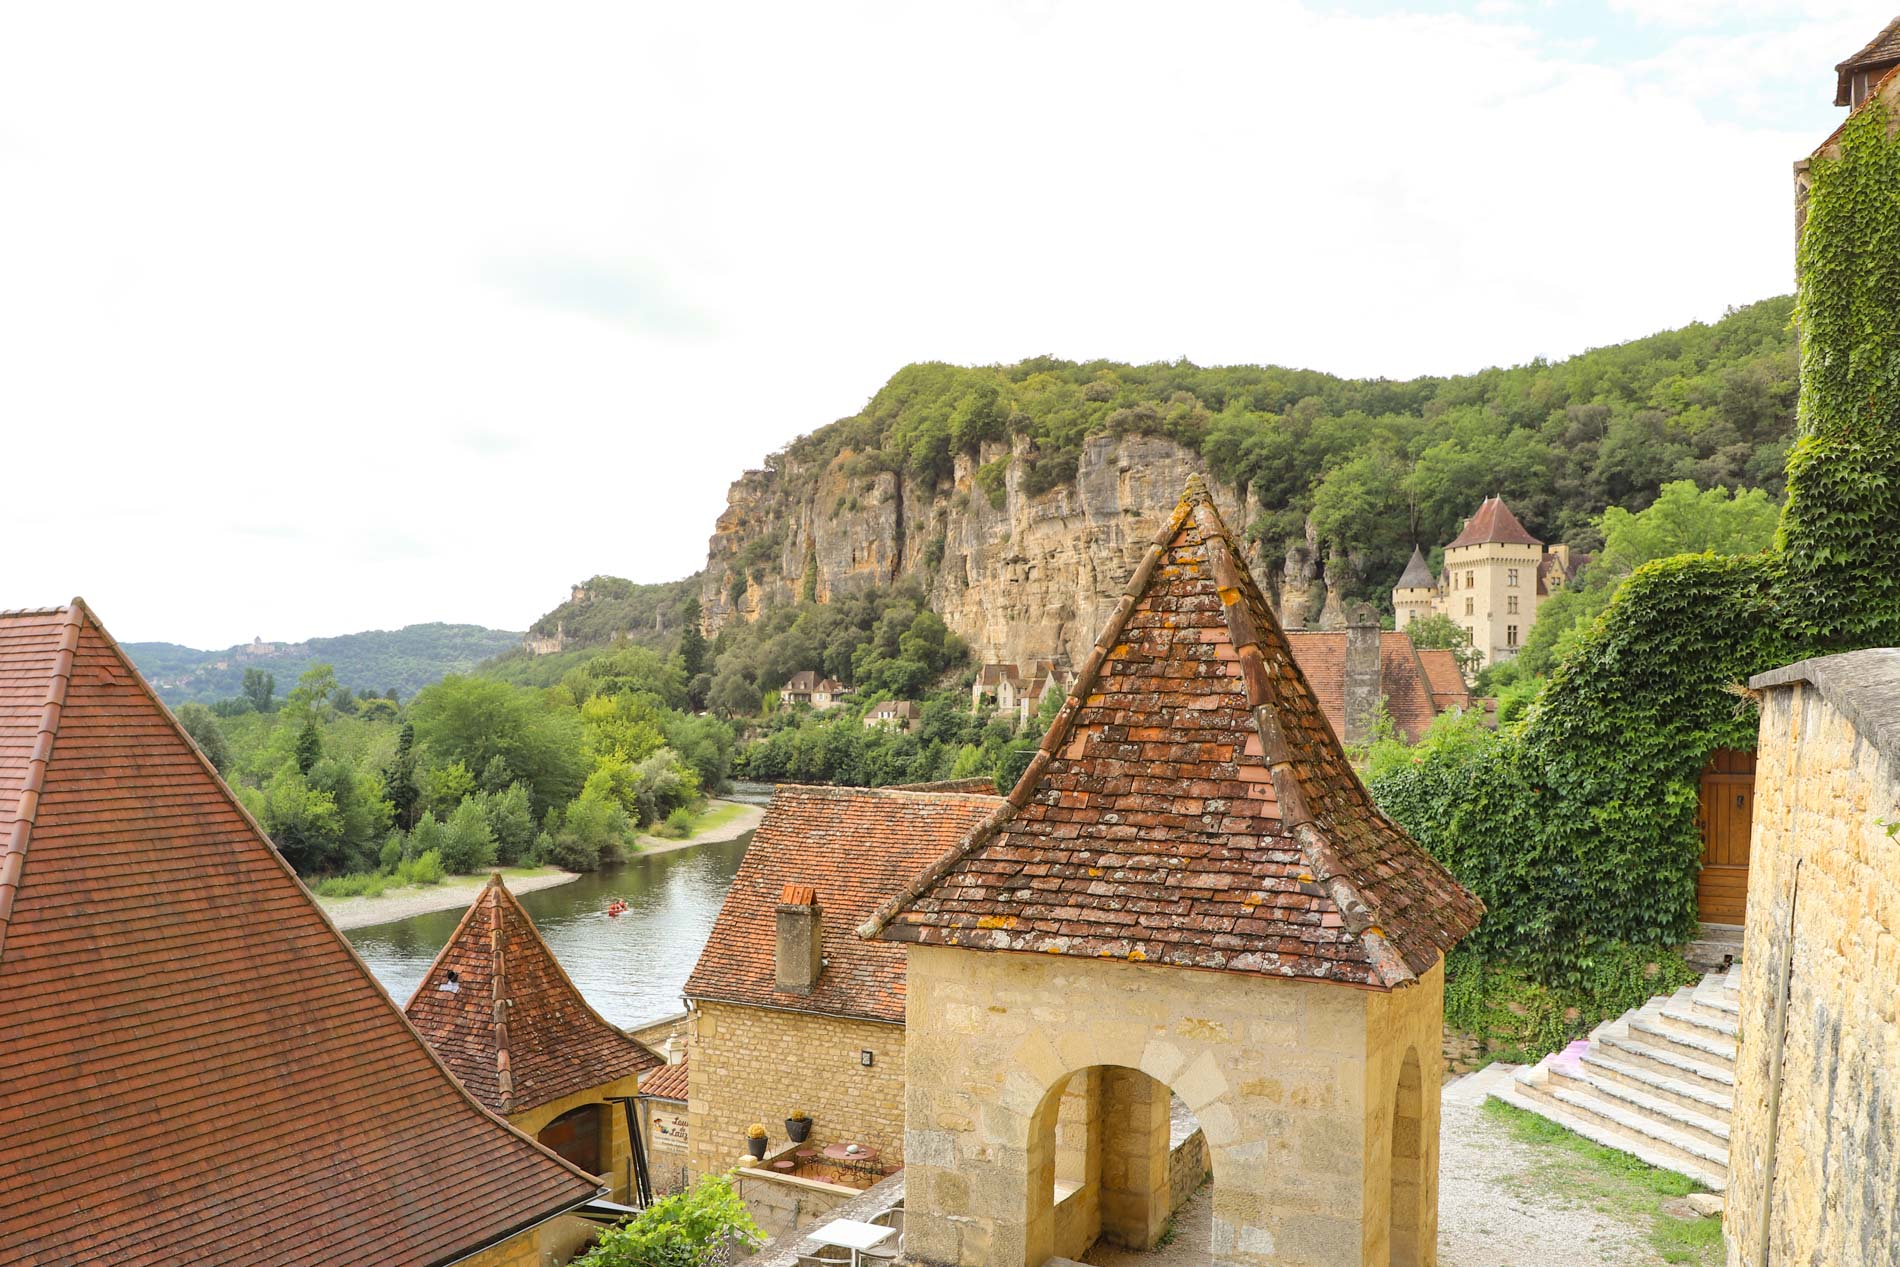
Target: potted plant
755,1139
798,1126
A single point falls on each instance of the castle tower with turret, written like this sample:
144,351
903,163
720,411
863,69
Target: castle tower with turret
1416,594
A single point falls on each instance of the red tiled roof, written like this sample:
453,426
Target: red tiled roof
1442,677
197,1066
1321,655
1191,806
1494,522
856,847
549,1043
668,1082
1882,50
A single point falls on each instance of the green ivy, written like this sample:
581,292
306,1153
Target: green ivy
1578,827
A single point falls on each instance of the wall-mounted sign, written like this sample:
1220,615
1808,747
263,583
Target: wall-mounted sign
669,1128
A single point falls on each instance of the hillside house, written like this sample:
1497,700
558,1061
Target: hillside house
790,1008
998,684
504,1017
1814,1150
807,687
1189,889
897,714
1496,575
198,1067
1018,691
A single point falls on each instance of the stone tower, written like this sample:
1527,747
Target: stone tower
1491,582
1416,593
1188,891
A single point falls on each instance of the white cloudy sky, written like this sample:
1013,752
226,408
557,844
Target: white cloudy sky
322,318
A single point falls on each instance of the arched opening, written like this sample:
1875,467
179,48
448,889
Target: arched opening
576,1135
1117,1165
1408,1163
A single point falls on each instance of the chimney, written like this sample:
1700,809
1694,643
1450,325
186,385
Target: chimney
1364,673
801,939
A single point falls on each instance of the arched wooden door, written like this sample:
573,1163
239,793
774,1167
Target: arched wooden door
1726,813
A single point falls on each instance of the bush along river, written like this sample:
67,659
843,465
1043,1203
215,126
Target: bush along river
630,966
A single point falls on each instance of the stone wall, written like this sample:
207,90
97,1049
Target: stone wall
754,1064
781,1204
1295,1085
549,1244
1822,787
616,1149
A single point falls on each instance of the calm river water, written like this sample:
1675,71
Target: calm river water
630,967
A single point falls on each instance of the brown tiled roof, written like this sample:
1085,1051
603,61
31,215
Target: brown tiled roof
1442,677
1494,522
1882,50
803,680
1192,806
545,1043
1321,655
197,1067
668,1082
856,847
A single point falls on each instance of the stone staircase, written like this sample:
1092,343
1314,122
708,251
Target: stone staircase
1656,1083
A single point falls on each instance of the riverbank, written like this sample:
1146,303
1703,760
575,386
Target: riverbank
452,894
724,820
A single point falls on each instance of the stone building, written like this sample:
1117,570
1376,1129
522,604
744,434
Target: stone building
504,1017
1496,575
1352,670
807,687
198,1068
790,1009
896,714
1814,1151
1188,889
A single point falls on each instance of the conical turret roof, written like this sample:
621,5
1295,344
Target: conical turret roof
1192,806
514,1028
1417,574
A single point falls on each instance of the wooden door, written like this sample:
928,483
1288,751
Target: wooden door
575,1135
1727,810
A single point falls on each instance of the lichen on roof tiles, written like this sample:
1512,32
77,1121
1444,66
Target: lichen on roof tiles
1191,806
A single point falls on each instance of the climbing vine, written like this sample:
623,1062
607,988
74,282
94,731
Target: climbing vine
1578,827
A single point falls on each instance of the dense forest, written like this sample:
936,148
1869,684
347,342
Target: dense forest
403,660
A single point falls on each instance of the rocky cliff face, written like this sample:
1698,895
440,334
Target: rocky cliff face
1017,575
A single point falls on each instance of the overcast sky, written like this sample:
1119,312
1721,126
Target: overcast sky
323,318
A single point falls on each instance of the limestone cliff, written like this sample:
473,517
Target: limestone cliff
1017,575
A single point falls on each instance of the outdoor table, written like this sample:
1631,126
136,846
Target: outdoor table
851,1234
841,1152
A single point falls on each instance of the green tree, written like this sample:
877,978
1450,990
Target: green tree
202,725
309,746
1437,631
468,843
400,778
511,821
258,688
472,720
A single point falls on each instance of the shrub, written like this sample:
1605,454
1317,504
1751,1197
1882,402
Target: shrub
695,1228
679,824
427,869
467,843
391,856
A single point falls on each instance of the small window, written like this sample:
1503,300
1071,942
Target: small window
1510,635
1468,604
1471,580
575,1135
1510,577
1510,605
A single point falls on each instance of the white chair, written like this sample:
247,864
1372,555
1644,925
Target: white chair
889,1251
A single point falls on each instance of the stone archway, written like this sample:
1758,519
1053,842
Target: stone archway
1409,1231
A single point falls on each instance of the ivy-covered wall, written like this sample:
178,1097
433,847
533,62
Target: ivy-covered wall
1577,827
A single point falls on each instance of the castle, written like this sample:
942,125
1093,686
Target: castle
1496,576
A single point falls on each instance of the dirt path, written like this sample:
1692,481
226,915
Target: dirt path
1485,1218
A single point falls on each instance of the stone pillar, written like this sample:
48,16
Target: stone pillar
1364,674
1135,1127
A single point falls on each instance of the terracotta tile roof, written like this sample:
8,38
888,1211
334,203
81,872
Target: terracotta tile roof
1494,522
1321,655
1191,806
198,1067
1417,574
1882,50
1443,679
548,1043
668,1082
856,847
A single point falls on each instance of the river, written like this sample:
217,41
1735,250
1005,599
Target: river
630,967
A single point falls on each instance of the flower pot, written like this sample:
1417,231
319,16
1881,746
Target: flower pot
798,1129
755,1146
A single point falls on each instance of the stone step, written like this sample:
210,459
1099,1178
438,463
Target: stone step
1695,1096
1580,1080
1683,1014
1645,1146
1715,1000
1617,1040
1658,1034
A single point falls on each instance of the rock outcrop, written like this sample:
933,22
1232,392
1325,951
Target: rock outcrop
1016,574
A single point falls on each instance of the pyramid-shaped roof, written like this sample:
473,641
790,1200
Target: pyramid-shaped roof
198,1068
1417,574
545,1043
1191,806
1494,522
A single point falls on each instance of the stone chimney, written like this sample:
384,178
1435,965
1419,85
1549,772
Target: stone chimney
1364,673
801,939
